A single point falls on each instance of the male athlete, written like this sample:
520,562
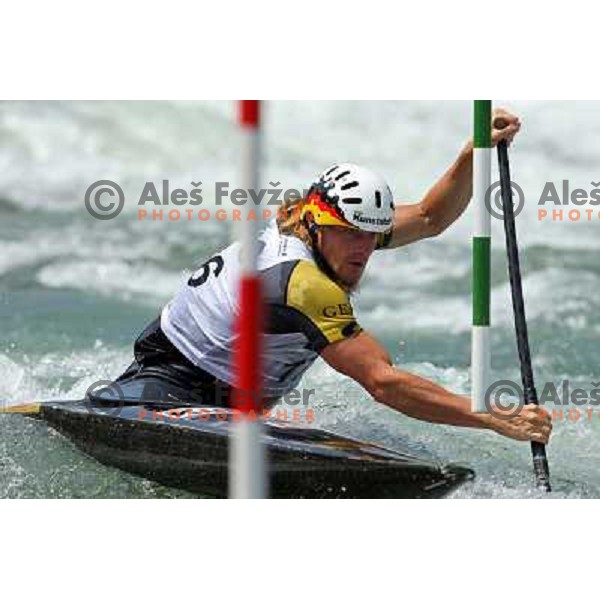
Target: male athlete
312,257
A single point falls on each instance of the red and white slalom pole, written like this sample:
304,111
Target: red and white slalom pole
247,464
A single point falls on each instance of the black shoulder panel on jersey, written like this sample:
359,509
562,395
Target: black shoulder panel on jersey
286,319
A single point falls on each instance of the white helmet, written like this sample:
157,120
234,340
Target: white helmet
352,196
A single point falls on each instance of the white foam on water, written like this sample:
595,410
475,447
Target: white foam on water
552,294
452,315
53,151
112,278
11,378
57,376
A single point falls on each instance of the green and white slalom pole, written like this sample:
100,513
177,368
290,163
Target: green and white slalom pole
482,179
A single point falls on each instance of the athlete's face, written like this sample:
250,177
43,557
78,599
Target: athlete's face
347,251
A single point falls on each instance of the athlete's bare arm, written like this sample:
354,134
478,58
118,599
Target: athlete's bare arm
366,361
450,195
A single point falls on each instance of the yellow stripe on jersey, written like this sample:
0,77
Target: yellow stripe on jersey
323,301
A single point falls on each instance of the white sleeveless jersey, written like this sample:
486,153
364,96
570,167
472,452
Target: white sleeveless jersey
306,311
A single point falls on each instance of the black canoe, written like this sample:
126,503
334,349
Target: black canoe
188,449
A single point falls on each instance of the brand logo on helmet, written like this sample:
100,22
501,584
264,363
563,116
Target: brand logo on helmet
358,216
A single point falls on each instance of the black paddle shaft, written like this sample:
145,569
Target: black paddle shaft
540,462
